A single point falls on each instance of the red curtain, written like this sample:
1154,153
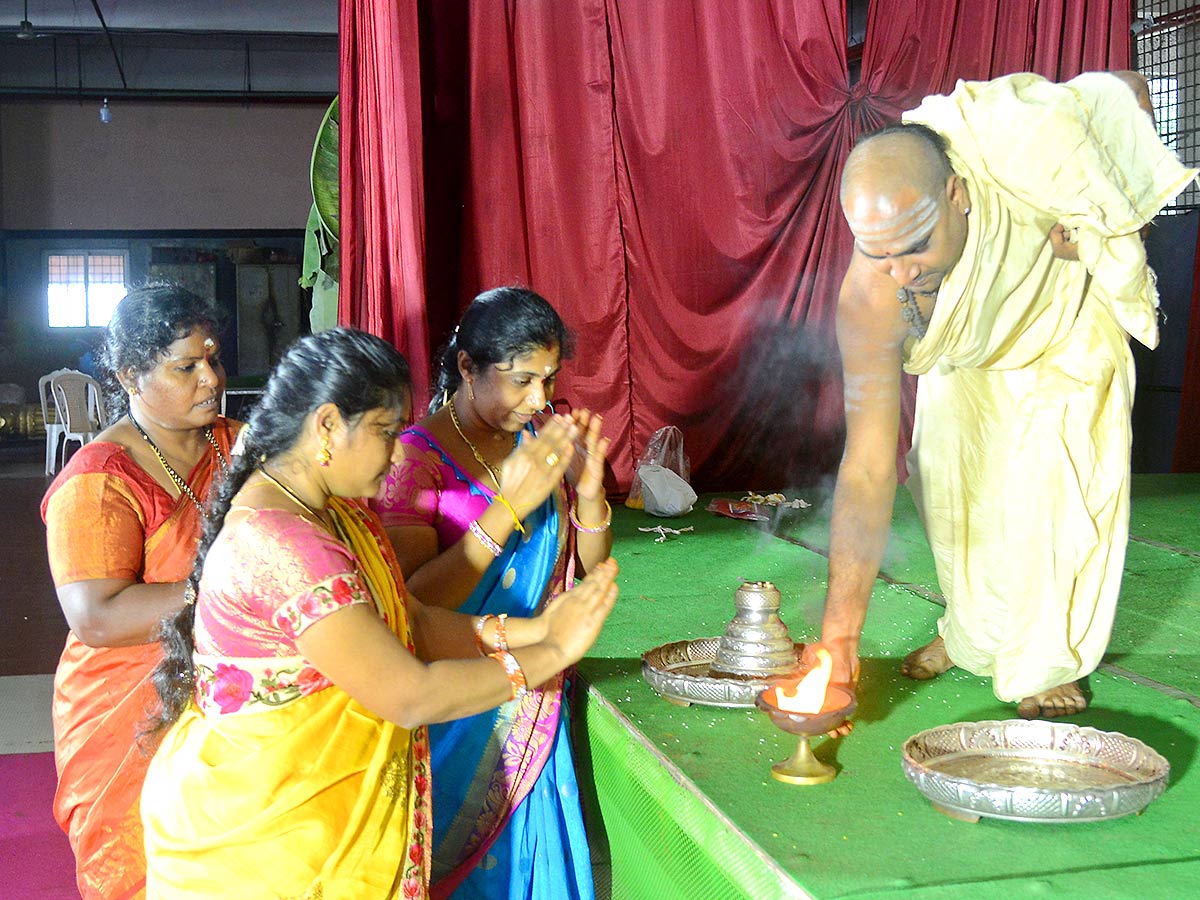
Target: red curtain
382,252
666,175
540,195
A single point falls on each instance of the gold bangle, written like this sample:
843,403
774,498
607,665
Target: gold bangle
599,529
512,512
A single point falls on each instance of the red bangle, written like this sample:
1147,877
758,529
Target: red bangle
502,632
516,675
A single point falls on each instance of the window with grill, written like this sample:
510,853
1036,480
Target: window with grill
1166,49
83,288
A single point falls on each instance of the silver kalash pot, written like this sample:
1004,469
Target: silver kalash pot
733,669
756,642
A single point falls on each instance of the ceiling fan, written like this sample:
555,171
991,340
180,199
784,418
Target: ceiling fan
25,30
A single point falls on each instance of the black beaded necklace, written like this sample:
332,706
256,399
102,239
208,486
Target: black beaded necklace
911,311
176,478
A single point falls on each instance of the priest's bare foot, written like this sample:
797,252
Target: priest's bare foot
928,662
1064,700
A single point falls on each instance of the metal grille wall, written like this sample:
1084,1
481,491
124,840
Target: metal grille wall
1166,49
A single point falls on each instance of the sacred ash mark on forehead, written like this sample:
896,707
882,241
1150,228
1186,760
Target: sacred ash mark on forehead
884,224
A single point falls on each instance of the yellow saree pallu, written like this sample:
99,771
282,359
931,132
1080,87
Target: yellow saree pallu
1020,459
293,797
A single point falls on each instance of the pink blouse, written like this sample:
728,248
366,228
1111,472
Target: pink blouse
265,581
424,489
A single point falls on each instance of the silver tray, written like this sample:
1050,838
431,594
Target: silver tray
1033,771
679,672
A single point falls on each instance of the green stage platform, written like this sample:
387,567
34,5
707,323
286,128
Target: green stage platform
680,800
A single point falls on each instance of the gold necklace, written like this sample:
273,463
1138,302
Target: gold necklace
176,478
491,470
295,497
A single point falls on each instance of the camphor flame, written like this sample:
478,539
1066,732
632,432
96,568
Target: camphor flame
808,696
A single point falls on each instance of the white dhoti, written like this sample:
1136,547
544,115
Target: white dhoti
1021,443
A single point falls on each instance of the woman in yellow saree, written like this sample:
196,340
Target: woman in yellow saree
121,529
296,689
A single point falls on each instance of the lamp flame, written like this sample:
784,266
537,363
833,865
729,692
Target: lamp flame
808,696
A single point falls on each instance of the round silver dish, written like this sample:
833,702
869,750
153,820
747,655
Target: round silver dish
680,672
1033,771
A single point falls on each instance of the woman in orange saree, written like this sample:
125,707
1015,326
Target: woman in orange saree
297,687
121,535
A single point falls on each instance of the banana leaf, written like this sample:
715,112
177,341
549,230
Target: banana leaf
324,171
321,267
314,249
323,315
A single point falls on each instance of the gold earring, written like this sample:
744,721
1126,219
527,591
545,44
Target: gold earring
133,392
324,457
470,391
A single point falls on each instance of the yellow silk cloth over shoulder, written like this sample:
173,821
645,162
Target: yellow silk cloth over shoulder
1034,154
316,798
1020,459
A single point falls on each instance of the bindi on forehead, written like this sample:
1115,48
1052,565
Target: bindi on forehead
185,349
529,365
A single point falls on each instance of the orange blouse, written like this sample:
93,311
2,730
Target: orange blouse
107,518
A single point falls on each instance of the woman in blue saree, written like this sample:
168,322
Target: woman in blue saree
486,532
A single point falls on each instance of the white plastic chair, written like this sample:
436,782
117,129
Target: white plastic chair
77,401
54,425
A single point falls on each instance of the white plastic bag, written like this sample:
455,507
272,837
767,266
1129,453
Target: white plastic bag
664,449
664,493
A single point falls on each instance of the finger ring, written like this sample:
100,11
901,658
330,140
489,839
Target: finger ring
552,459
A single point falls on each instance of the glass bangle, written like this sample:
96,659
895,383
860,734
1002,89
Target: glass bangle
512,512
484,538
598,529
480,622
516,675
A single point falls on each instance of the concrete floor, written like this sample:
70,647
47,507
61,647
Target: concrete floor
32,627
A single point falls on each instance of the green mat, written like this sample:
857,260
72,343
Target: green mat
679,798
1157,630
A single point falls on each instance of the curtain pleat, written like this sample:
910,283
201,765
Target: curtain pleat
666,174
382,250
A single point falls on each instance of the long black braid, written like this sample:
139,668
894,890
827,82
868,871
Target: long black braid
351,369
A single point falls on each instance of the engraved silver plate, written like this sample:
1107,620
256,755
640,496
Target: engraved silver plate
1033,771
682,673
